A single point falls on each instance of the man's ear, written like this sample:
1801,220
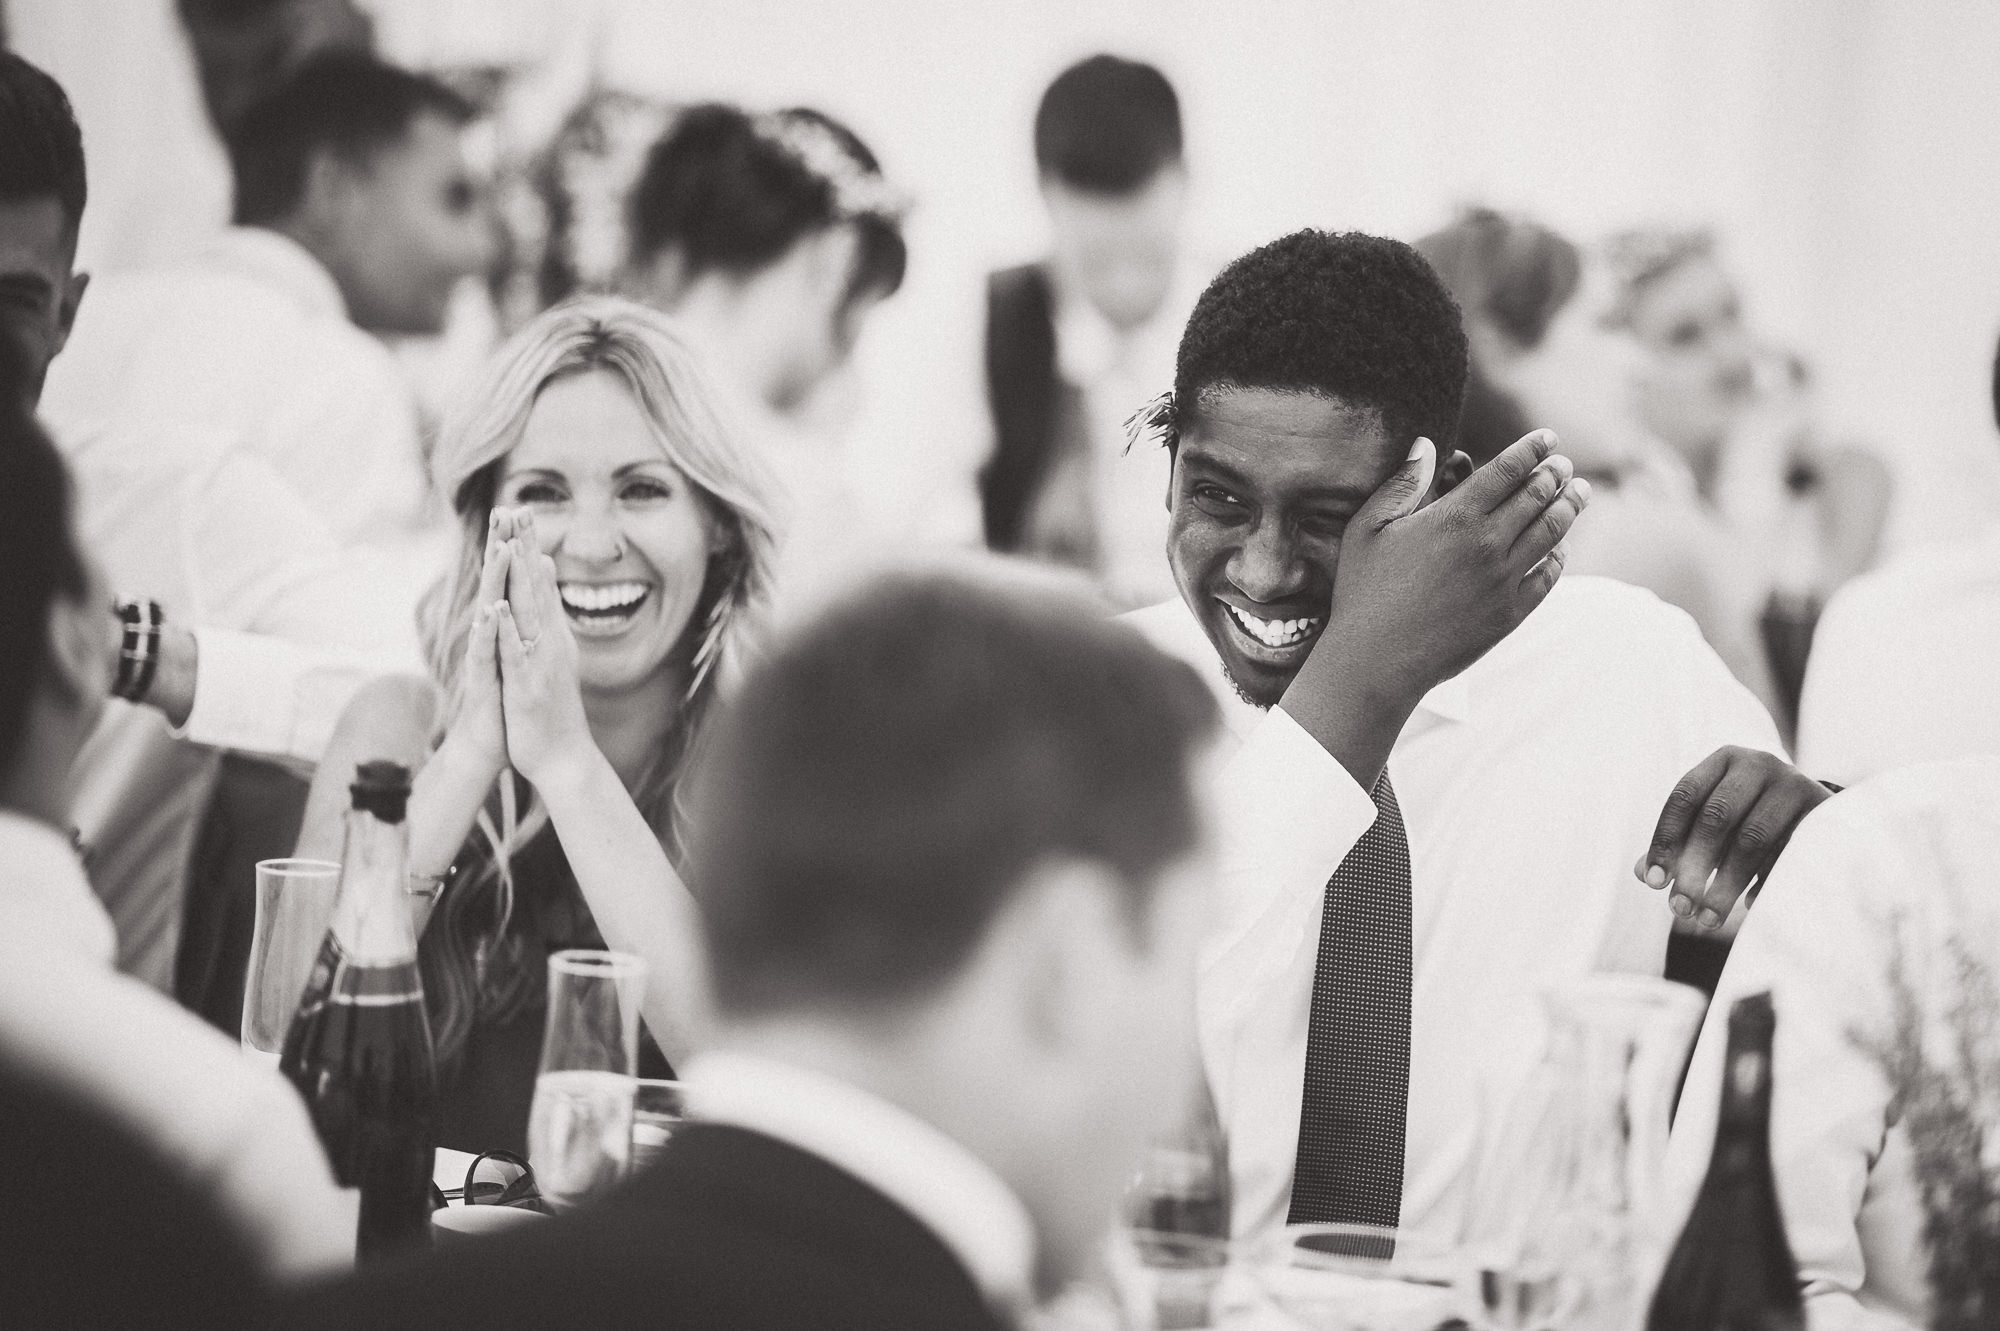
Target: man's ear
1450,475
66,303
1062,932
79,647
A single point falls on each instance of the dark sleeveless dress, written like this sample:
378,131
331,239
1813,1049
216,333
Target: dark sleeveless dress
486,1091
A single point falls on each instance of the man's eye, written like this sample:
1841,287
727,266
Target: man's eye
1326,526
1216,499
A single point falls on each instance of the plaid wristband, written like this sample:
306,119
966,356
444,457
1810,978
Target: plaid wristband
139,649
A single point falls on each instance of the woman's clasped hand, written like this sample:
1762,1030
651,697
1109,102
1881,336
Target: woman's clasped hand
519,704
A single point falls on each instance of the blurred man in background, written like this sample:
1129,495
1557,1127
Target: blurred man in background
1079,341
952,867
1903,661
270,621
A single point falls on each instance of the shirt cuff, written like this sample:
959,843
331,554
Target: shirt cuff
267,696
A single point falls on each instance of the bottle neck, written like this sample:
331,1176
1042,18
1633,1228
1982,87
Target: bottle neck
1743,1126
371,917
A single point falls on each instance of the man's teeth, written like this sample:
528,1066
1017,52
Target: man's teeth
1276,632
603,597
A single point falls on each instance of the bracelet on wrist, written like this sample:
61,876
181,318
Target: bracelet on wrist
138,649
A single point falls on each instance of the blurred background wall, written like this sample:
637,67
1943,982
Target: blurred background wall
1841,148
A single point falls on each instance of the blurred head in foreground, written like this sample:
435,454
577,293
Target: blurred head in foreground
55,639
949,849
365,165
41,205
772,237
1108,149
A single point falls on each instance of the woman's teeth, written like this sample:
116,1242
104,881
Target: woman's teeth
611,598
1276,632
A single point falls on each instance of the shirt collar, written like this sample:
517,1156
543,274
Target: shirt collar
274,260
45,901
945,1186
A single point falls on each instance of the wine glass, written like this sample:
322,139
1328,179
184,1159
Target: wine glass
580,1125
1172,1250
294,909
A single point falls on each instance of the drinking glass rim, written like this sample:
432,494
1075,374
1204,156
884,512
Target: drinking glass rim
597,964
291,866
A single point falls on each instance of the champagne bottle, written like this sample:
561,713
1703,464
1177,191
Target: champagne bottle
1732,1268
359,1050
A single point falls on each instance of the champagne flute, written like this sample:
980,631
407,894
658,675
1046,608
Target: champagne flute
580,1126
294,910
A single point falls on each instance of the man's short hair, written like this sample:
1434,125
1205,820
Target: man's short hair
1107,125
881,786
41,148
342,102
1339,315
37,548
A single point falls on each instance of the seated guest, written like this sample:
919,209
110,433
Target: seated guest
952,869
1446,758
102,1231
772,239
188,402
1902,661
1533,304
1894,877
614,541
234,1130
1075,343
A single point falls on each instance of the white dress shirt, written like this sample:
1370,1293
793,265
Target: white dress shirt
235,1127
248,458
954,1193
1902,665
1529,785
1909,853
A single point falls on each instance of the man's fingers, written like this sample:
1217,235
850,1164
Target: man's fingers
1722,811
1752,848
1656,867
1540,580
1399,496
1491,486
1547,529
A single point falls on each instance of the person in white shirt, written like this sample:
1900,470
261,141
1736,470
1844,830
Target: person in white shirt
953,863
772,239
1901,669
1439,787
246,455
234,1128
1078,342
1894,877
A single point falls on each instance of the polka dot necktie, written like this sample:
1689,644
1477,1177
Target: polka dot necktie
1357,1076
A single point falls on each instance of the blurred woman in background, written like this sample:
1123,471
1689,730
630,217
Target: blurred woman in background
771,238
1737,411
1542,355
615,540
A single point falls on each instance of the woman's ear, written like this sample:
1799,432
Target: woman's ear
1450,475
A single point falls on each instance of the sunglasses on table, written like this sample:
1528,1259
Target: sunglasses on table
494,1178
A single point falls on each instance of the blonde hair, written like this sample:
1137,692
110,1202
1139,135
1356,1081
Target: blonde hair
655,364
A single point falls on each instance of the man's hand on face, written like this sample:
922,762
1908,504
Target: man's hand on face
1723,828
1422,593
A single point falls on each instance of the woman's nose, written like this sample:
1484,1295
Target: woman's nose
590,535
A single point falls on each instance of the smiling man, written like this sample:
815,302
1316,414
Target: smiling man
1446,761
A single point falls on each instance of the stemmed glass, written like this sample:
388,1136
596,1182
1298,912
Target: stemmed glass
580,1126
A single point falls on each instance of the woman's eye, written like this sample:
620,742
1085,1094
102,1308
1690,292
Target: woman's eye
538,492
646,490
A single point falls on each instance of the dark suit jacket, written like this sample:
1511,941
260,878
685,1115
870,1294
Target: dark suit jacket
1032,406
728,1229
